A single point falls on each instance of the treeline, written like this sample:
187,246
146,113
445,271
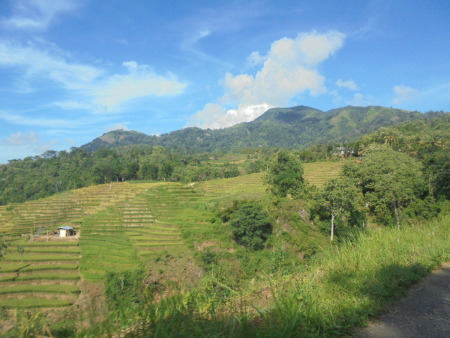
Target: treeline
391,176
53,172
426,140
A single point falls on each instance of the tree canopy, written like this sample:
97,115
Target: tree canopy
389,180
340,198
285,174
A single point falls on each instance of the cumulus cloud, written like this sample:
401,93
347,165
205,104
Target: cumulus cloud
214,116
349,84
37,14
288,69
255,59
403,94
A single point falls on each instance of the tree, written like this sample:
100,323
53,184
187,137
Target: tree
389,180
251,225
284,175
438,167
341,198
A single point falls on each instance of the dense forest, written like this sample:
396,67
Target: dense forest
53,172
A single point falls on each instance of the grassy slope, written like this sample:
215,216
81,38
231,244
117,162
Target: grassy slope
340,290
163,225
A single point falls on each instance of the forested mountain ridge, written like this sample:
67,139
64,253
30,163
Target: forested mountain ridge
295,127
185,155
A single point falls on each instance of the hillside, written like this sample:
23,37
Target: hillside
172,232
295,127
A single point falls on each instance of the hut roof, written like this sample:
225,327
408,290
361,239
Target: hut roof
65,227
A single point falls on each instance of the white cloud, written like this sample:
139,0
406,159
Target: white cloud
288,69
95,90
140,82
214,116
131,65
37,14
349,84
255,59
40,122
360,100
19,139
19,145
41,64
73,105
403,93
118,126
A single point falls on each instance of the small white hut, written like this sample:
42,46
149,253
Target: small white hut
65,231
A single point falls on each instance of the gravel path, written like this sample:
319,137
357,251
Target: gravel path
425,312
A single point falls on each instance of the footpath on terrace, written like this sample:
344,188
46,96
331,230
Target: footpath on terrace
425,312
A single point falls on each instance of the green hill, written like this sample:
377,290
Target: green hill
295,127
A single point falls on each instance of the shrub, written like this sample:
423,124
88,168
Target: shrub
251,225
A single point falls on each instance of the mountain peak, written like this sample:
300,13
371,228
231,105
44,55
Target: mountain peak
295,127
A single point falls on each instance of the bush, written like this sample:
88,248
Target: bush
124,289
251,225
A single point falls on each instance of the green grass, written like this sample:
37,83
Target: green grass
50,275
53,288
41,257
12,267
54,266
340,289
31,302
8,278
26,243
351,283
103,248
56,250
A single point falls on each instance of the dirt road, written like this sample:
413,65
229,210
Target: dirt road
425,312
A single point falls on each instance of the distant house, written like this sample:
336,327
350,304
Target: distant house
65,231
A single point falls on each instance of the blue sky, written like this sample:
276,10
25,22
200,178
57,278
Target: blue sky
71,70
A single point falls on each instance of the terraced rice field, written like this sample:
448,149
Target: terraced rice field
120,226
170,209
35,274
318,173
41,270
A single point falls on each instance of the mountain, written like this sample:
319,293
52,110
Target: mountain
295,127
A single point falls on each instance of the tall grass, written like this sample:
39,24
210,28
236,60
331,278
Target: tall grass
355,281
340,290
